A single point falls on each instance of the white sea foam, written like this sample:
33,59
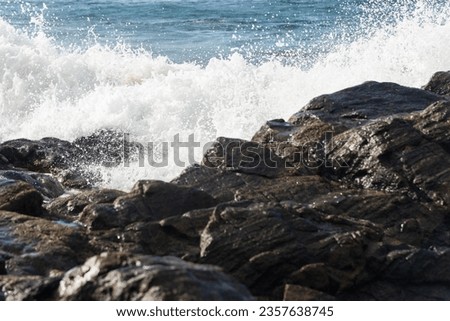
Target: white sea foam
46,90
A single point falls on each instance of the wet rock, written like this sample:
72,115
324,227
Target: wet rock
117,276
174,236
301,293
165,199
301,143
228,186
4,163
347,200
70,206
261,244
221,184
156,239
434,124
387,291
37,246
38,156
295,189
45,184
28,288
274,130
77,178
439,83
104,147
48,155
104,216
190,224
408,273
3,256
419,266
246,157
147,201
17,196
356,106
392,155
268,244
116,221
67,161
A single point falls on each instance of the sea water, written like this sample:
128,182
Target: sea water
160,69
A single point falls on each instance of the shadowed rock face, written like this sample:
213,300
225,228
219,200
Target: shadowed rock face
347,200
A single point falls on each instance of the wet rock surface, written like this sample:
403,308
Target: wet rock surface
37,246
439,83
356,106
20,197
347,200
119,276
66,161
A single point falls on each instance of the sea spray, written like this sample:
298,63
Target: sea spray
67,91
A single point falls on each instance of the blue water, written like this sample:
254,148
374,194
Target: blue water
192,30
157,69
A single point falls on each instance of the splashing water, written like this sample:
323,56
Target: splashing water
71,91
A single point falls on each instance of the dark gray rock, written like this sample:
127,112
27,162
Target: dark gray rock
51,154
117,221
262,244
103,147
48,155
439,83
292,136
28,288
228,186
4,163
381,290
147,201
303,141
347,200
45,184
220,183
21,197
70,206
356,106
351,233
190,224
155,238
117,276
166,199
36,246
246,157
419,266
384,183
301,293
392,155
434,124
38,156
66,160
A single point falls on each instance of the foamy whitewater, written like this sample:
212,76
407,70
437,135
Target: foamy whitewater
51,88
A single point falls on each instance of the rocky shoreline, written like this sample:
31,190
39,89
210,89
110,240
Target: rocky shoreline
347,200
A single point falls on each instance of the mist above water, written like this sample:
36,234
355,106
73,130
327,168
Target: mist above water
67,91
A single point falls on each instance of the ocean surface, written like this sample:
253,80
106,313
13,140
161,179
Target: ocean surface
201,68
